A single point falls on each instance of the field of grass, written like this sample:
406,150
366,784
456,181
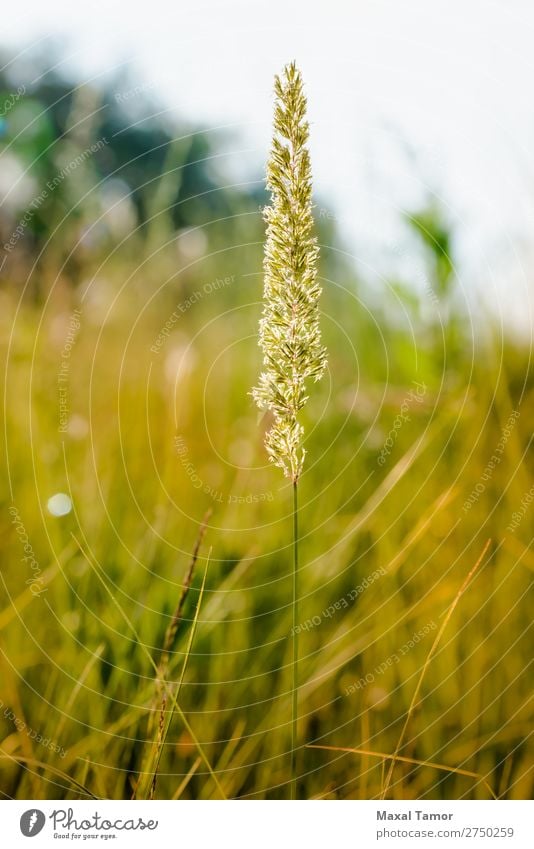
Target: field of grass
130,357
146,432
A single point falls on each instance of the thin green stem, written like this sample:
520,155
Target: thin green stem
295,664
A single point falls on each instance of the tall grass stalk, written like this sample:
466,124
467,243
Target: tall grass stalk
295,659
172,695
165,691
289,334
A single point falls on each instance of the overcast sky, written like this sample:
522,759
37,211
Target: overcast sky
405,98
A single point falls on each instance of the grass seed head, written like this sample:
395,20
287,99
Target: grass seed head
289,333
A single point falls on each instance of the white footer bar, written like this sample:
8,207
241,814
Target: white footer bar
269,825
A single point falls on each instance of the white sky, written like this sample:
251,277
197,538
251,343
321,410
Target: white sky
404,97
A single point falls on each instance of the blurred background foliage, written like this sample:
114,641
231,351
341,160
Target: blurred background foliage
128,218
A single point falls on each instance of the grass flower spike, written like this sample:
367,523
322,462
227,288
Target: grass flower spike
289,329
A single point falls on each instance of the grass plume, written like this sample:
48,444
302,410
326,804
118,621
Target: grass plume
289,333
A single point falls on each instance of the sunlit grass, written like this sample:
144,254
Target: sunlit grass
72,671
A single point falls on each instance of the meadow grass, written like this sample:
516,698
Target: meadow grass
73,670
